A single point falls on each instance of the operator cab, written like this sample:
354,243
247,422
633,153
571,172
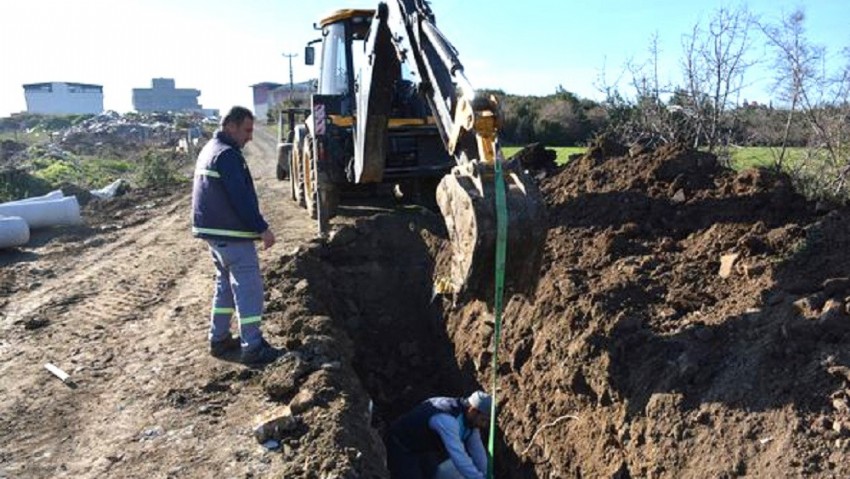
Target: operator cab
340,30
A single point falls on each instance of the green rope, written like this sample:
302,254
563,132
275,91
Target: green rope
501,246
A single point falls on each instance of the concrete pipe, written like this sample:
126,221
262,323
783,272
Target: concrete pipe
14,231
52,196
41,214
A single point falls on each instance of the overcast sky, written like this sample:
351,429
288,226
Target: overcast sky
221,48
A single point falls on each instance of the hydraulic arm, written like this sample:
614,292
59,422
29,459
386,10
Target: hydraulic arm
404,32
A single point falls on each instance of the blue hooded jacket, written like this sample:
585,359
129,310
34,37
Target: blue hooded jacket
412,431
224,201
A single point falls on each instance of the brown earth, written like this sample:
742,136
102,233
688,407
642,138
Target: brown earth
635,358
120,304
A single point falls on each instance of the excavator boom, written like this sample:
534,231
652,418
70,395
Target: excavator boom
405,31
410,116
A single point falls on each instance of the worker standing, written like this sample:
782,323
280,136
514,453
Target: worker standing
227,216
440,438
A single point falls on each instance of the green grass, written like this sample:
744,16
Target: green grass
742,158
87,171
754,156
563,152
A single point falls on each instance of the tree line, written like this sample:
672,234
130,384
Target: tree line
705,108
563,119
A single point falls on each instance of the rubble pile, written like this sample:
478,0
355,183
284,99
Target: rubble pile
111,134
114,131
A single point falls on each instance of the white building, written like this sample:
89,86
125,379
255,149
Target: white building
268,95
163,96
63,98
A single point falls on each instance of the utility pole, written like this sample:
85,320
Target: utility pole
290,56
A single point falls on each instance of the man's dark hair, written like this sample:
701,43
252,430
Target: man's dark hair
236,115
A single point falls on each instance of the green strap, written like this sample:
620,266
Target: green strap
501,246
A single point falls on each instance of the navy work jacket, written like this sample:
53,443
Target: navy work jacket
224,201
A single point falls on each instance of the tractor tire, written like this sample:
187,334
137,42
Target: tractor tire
298,182
293,174
319,193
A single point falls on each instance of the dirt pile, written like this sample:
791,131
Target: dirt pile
690,321
538,159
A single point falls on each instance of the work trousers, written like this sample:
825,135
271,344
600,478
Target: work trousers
404,464
238,289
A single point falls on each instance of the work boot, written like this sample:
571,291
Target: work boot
224,347
260,355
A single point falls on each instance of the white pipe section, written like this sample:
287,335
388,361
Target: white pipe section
14,231
53,195
109,191
40,214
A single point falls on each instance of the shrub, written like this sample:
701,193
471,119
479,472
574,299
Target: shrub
59,171
16,184
156,169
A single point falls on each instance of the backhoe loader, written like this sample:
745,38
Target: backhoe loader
394,106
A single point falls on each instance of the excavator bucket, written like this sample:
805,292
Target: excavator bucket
466,197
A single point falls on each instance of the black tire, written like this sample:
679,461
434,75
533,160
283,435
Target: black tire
292,177
298,175
282,167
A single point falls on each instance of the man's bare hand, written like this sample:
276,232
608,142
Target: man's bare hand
268,238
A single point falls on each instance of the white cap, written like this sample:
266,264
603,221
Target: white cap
480,400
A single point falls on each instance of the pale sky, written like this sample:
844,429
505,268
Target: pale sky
221,48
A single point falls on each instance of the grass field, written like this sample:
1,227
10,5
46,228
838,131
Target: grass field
753,156
742,158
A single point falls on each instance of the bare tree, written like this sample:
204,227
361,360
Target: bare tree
810,89
794,66
652,122
714,65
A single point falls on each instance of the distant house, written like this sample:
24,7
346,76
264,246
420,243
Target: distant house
163,96
262,97
64,98
268,94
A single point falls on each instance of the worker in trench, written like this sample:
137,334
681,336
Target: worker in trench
440,439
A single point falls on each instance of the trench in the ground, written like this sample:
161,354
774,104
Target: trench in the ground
381,292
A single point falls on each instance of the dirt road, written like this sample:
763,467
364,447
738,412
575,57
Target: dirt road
121,305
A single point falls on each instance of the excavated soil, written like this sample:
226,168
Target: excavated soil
637,358
640,355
